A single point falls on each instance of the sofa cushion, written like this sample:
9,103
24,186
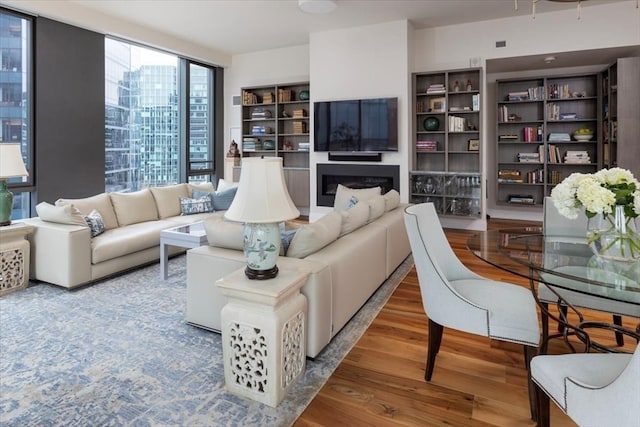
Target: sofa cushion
376,207
65,214
190,206
354,218
392,200
314,236
222,233
125,241
203,186
168,199
131,208
100,202
95,222
344,194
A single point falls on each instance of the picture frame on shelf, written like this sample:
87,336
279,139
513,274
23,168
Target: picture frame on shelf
438,105
473,145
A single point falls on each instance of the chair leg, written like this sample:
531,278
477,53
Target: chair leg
544,319
435,337
617,320
542,402
530,353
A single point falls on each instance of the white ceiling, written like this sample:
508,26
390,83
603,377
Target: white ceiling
241,26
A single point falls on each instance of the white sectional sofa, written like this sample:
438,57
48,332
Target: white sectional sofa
64,253
346,266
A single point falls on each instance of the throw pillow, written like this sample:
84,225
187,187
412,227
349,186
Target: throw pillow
100,202
199,194
222,198
65,214
286,236
391,200
354,218
344,194
189,206
222,233
312,237
95,222
376,207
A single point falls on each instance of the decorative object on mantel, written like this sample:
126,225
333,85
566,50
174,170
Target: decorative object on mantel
611,201
11,166
261,202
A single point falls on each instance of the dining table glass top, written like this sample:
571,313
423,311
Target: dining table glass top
560,261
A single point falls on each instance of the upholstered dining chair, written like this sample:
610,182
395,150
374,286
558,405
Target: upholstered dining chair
455,297
554,224
593,389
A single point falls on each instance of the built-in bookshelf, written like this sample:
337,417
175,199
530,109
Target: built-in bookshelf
547,128
275,122
621,114
446,150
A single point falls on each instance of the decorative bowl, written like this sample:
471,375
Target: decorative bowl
431,123
304,95
583,136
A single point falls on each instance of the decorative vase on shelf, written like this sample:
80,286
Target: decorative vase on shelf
614,236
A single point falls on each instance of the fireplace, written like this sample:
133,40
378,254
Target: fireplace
329,175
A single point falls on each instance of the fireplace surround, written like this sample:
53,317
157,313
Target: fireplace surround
329,175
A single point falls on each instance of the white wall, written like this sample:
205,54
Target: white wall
363,62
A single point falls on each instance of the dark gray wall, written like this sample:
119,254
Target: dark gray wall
69,111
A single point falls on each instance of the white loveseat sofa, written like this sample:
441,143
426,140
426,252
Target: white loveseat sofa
64,253
346,266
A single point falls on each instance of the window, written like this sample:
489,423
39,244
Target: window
143,110
15,100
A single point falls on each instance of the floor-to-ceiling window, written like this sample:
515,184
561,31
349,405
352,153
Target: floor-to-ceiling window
15,100
143,110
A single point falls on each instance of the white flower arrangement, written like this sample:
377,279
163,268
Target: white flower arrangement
597,193
604,192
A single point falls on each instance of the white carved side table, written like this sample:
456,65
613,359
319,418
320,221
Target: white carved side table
263,334
14,257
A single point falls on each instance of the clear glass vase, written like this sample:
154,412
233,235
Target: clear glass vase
614,236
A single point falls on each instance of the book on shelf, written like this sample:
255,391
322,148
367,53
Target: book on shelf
559,137
525,199
436,88
532,134
508,137
568,116
521,95
577,157
509,176
529,157
475,102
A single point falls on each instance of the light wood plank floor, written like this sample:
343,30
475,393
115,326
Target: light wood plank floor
476,381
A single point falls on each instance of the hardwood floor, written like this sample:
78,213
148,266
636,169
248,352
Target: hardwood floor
476,381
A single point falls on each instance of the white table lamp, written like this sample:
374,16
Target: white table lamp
261,202
11,166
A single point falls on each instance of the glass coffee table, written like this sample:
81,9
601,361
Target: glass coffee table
184,236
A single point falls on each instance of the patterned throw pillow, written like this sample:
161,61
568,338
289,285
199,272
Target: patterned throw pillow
95,222
190,206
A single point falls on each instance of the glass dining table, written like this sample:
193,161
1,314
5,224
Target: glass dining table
564,264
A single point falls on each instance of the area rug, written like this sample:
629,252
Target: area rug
119,353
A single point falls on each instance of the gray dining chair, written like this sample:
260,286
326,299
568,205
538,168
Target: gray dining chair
455,297
593,389
556,225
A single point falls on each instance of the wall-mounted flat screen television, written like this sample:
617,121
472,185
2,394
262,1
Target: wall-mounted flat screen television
365,125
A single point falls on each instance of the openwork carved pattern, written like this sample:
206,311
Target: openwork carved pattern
11,268
249,356
292,349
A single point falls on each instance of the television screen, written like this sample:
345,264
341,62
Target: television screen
356,125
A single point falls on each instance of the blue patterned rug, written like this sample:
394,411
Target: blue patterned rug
119,353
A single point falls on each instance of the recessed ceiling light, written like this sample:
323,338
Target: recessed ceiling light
317,6
549,59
